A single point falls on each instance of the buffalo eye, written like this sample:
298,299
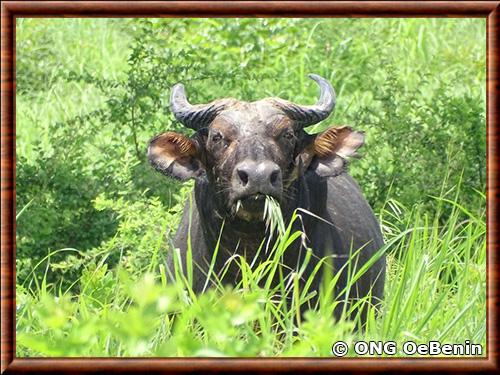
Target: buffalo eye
216,137
289,135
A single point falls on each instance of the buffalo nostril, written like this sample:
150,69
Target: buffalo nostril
243,176
275,177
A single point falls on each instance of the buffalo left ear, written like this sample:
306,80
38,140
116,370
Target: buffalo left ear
175,155
327,154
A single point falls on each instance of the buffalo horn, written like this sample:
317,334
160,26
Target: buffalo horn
193,116
306,115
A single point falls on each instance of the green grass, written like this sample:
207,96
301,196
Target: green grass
435,290
94,222
83,45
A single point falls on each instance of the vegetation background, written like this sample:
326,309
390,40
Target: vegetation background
94,221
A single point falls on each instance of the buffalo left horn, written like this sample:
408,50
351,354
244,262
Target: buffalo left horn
306,115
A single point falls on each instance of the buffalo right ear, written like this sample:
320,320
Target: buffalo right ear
175,155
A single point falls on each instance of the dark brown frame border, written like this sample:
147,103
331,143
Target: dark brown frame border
10,10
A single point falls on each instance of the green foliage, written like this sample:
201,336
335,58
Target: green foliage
436,290
150,319
94,218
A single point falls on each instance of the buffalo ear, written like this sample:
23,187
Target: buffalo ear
175,156
328,152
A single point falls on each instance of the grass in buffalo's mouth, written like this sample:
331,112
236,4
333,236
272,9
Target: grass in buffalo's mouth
273,216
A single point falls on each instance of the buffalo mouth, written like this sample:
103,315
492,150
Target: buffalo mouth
251,208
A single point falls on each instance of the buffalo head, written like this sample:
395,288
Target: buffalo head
247,150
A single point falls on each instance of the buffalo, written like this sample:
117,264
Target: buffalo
243,152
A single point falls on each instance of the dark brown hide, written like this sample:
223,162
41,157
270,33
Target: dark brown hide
244,151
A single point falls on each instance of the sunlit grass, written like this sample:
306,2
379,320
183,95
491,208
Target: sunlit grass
96,46
435,290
